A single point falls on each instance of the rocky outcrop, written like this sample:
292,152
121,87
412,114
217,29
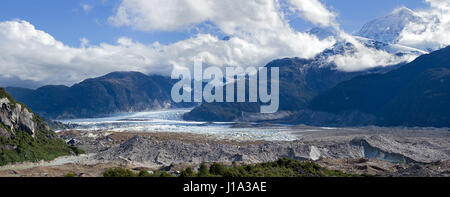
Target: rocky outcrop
24,136
15,116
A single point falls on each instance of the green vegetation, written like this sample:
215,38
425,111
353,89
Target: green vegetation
5,127
70,174
77,150
4,94
119,172
122,172
44,146
20,146
188,172
281,168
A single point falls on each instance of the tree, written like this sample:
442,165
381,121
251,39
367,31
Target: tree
217,169
187,172
203,170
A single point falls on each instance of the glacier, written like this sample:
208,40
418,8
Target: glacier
171,121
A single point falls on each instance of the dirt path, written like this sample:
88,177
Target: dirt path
57,162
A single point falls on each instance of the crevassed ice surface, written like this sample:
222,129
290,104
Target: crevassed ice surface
171,121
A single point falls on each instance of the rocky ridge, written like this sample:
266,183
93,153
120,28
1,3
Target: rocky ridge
24,136
15,116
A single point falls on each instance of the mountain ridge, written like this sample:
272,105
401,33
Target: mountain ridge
111,93
414,95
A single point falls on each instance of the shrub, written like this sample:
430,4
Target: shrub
41,147
144,173
70,175
122,172
217,169
203,170
119,172
77,150
187,172
283,167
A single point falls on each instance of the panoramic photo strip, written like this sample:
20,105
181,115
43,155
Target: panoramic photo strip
225,97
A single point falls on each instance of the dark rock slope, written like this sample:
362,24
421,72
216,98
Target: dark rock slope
300,81
417,94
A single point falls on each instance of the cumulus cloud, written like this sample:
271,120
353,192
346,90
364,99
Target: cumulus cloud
259,32
165,15
260,23
258,29
433,32
31,54
314,11
231,16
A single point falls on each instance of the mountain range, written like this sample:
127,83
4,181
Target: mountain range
112,93
300,81
316,96
417,94
312,91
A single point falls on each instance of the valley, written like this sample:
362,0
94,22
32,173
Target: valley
374,102
377,151
359,153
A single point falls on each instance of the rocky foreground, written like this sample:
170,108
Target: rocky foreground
372,150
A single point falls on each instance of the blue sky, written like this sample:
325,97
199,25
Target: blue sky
68,22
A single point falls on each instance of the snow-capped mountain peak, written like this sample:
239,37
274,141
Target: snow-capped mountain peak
387,29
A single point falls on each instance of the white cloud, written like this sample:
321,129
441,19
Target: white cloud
434,33
314,11
260,24
84,42
31,54
359,57
363,57
231,16
445,4
165,15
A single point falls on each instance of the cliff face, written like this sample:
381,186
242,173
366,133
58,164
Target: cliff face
16,117
24,136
